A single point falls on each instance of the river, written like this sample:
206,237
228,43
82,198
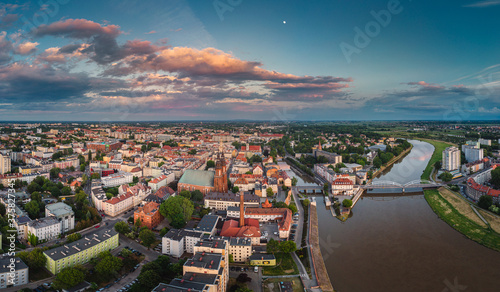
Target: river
397,243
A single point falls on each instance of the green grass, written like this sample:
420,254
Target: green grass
439,146
482,235
284,266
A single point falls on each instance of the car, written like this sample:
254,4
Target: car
97,226
242,270
256,269
107,286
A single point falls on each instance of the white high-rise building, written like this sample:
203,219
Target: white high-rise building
473,154
484,141
4,164
451,159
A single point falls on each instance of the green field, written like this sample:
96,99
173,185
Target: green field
439,146
284,266
482,235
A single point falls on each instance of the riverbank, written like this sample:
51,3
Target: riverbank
447,205
390,162
317,259
439,146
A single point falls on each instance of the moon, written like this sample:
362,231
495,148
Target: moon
284,22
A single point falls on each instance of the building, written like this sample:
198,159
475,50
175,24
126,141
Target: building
484,141
282,216
221,201
161,181
240,248
104,146
476,189
5,164
117,179
473,154
200,180
451,159
262,259
13,273
330,156
118,204
178,241
149,215
81,251
47,228
203,263
246,227
342,186
63,213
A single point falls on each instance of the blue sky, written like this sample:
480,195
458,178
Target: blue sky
240,59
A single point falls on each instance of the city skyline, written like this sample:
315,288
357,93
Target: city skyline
248,60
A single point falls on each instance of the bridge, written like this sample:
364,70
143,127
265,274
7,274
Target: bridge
416,184
309,189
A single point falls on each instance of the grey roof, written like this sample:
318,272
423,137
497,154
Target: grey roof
162,287
207,223
198,178
230,197
5,261
210,279
59,209
23,219
241,241
205,260
218,243
82,244
262,256
43,222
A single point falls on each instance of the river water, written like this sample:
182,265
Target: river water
396,242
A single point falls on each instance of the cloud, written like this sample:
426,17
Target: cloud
6,48
482,4
8,20
26,48
76,28
151,32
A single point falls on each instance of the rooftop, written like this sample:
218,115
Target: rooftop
198,178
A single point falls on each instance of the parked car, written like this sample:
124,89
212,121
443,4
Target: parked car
256,269
97,226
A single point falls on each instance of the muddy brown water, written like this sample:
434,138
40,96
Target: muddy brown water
395,242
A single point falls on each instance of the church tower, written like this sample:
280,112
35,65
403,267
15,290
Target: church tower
220,179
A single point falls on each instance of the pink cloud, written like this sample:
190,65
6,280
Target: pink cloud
26,48
77,28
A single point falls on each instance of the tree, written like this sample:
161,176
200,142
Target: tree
186,194
196,196
34,187
135,179
177,205
347,203
445,176
55,191
73,237
325,188
32,239
35,259
122,227
163,231
210,164
437,165
377,162
33,209
495,177
273,246
54,172
178,221
82,167
108,265
66,191
95,175
485,202
269,192
306,202
231,258
192,152
149,279
3,211
294,181
243,278
287,246
243,289
236,189
148,237
69,277
293,208
109,195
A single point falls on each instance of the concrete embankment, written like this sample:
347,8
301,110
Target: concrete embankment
317,259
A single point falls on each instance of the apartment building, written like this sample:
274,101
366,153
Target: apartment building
451,159
46,228
5,164
81,251
240,248
118,204
117,179
19,275
63,213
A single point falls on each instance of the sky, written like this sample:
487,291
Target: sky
144,60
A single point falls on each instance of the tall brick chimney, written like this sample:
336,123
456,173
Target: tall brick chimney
242,209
